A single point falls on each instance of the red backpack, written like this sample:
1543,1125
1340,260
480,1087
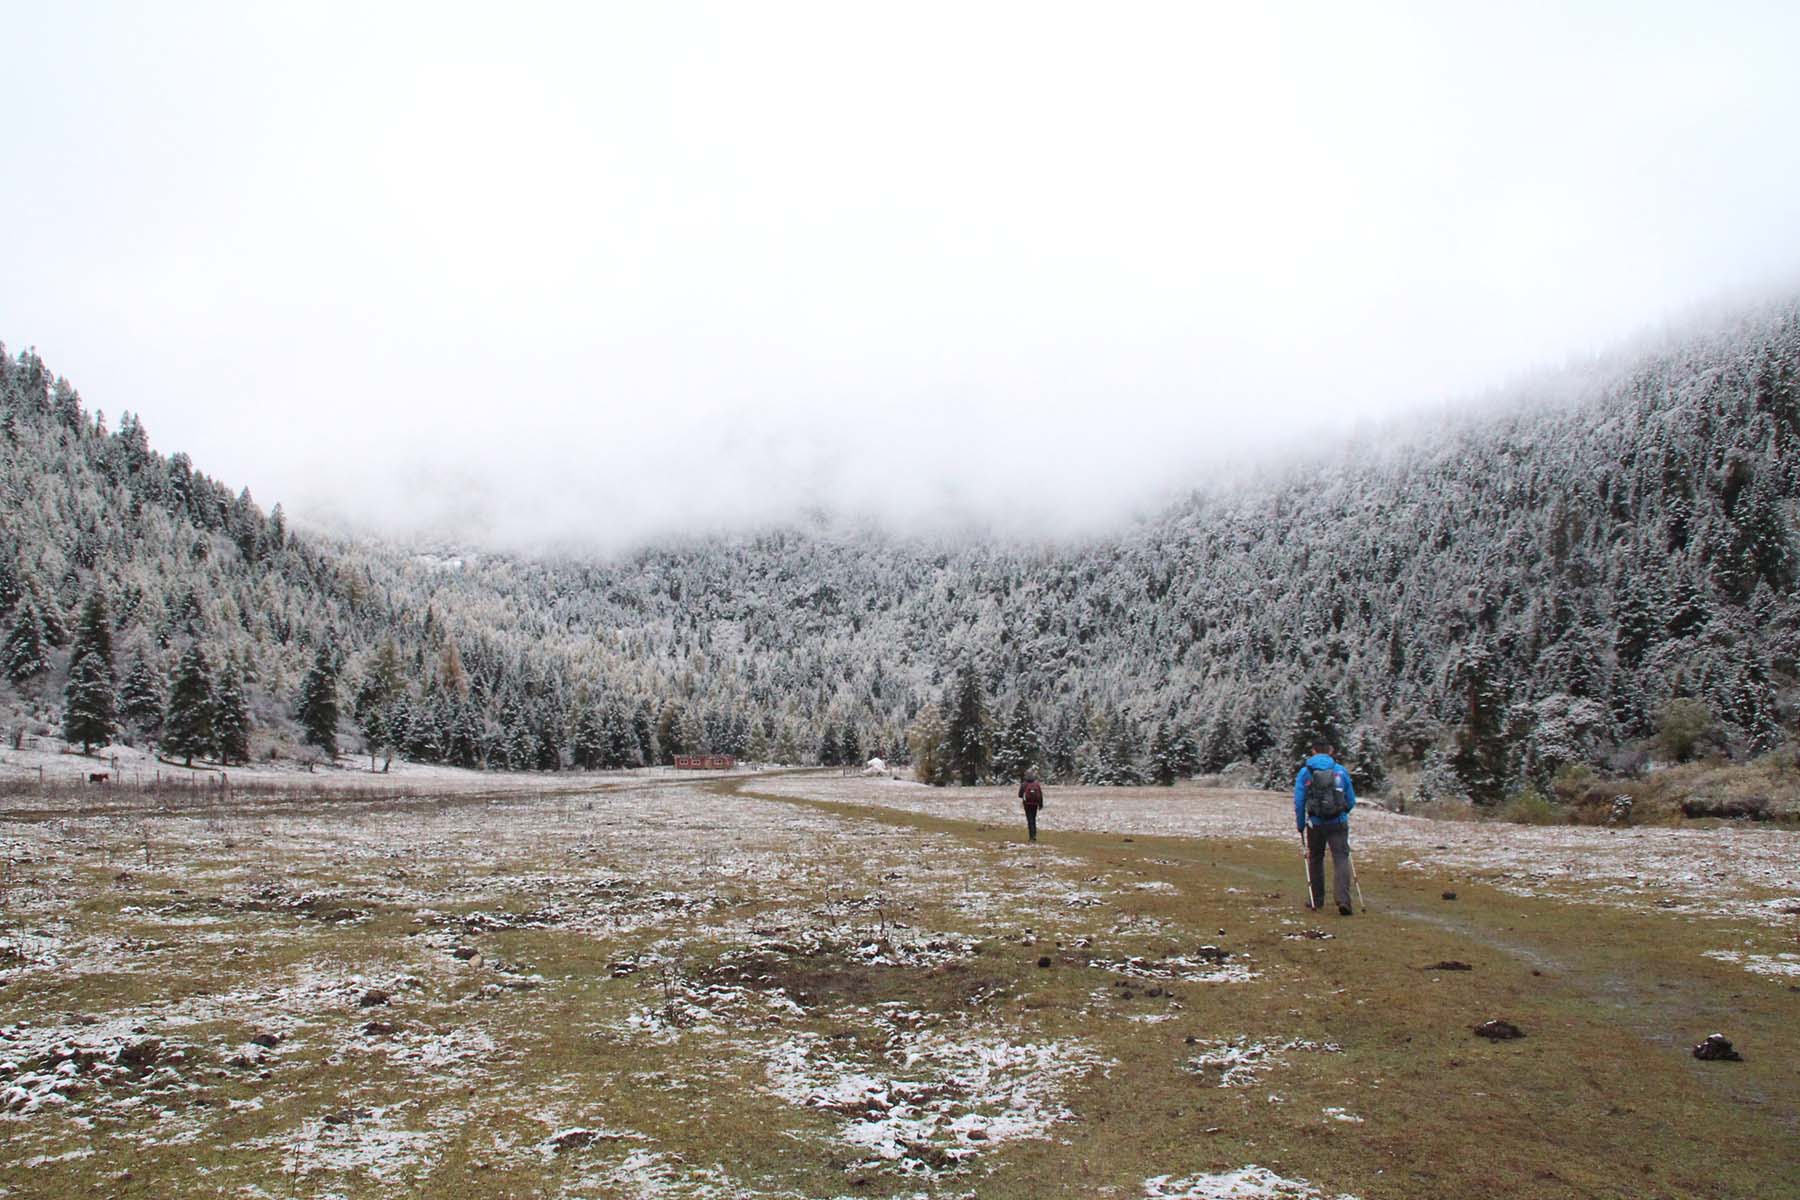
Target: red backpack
1034,794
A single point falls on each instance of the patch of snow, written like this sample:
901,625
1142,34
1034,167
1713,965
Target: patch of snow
1759,964
1246,1183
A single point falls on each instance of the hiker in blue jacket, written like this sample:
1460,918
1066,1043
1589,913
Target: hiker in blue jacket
1323,798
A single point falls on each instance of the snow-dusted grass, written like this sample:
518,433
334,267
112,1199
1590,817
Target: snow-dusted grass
1735,871
662,988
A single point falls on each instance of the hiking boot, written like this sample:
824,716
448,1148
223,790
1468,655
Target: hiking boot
1343,910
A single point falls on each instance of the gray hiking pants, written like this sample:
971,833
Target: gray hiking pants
1338,838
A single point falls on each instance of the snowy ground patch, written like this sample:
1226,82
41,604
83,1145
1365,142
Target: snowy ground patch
1760,964
932,1102
1246,1183
1241,1062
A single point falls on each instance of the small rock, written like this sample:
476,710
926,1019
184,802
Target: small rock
268,1041
465,953
345,1116
379,1029
1499,1031
1716,1048
1449,964
1043,960
1449,895
373,998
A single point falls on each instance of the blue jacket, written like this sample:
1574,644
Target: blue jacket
1321,762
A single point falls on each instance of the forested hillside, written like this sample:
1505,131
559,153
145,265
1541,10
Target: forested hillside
1542,584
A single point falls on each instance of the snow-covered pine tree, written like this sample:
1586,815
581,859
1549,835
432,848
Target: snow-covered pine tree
1059,748
1482,754
1184,753
188,726
966,729
1366,759
1221,745
88,701
1119,764
587,741
231,718
140,698
318,703
93,634
1162,760
1316,719
669,724
1016,749
622,749
26,653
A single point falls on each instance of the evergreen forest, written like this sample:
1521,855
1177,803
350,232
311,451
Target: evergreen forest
1596,577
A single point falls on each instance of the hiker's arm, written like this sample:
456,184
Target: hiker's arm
1300,800
1349,791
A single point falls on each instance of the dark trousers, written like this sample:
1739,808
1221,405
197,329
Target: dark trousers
1338,838
1031,821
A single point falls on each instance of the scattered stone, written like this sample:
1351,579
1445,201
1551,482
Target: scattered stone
1716,1048
373,998
465,953
1499,1031
268,1041
1214,953
345,1116
1043,960
379,1029
1191,1040
1449,895
1448,964
1313,935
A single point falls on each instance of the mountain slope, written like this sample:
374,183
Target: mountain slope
1523,588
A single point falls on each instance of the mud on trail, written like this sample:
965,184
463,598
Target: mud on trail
805,987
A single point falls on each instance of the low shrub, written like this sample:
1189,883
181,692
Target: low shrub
1531,807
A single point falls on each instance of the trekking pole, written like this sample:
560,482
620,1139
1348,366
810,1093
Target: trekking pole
1306,863
1356,881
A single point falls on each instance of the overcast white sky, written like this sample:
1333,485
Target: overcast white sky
606,271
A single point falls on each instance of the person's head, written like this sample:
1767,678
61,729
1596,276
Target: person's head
1321,746
1031,777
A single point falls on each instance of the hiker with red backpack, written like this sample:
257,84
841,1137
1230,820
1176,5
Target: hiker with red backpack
1031,793
1323,798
